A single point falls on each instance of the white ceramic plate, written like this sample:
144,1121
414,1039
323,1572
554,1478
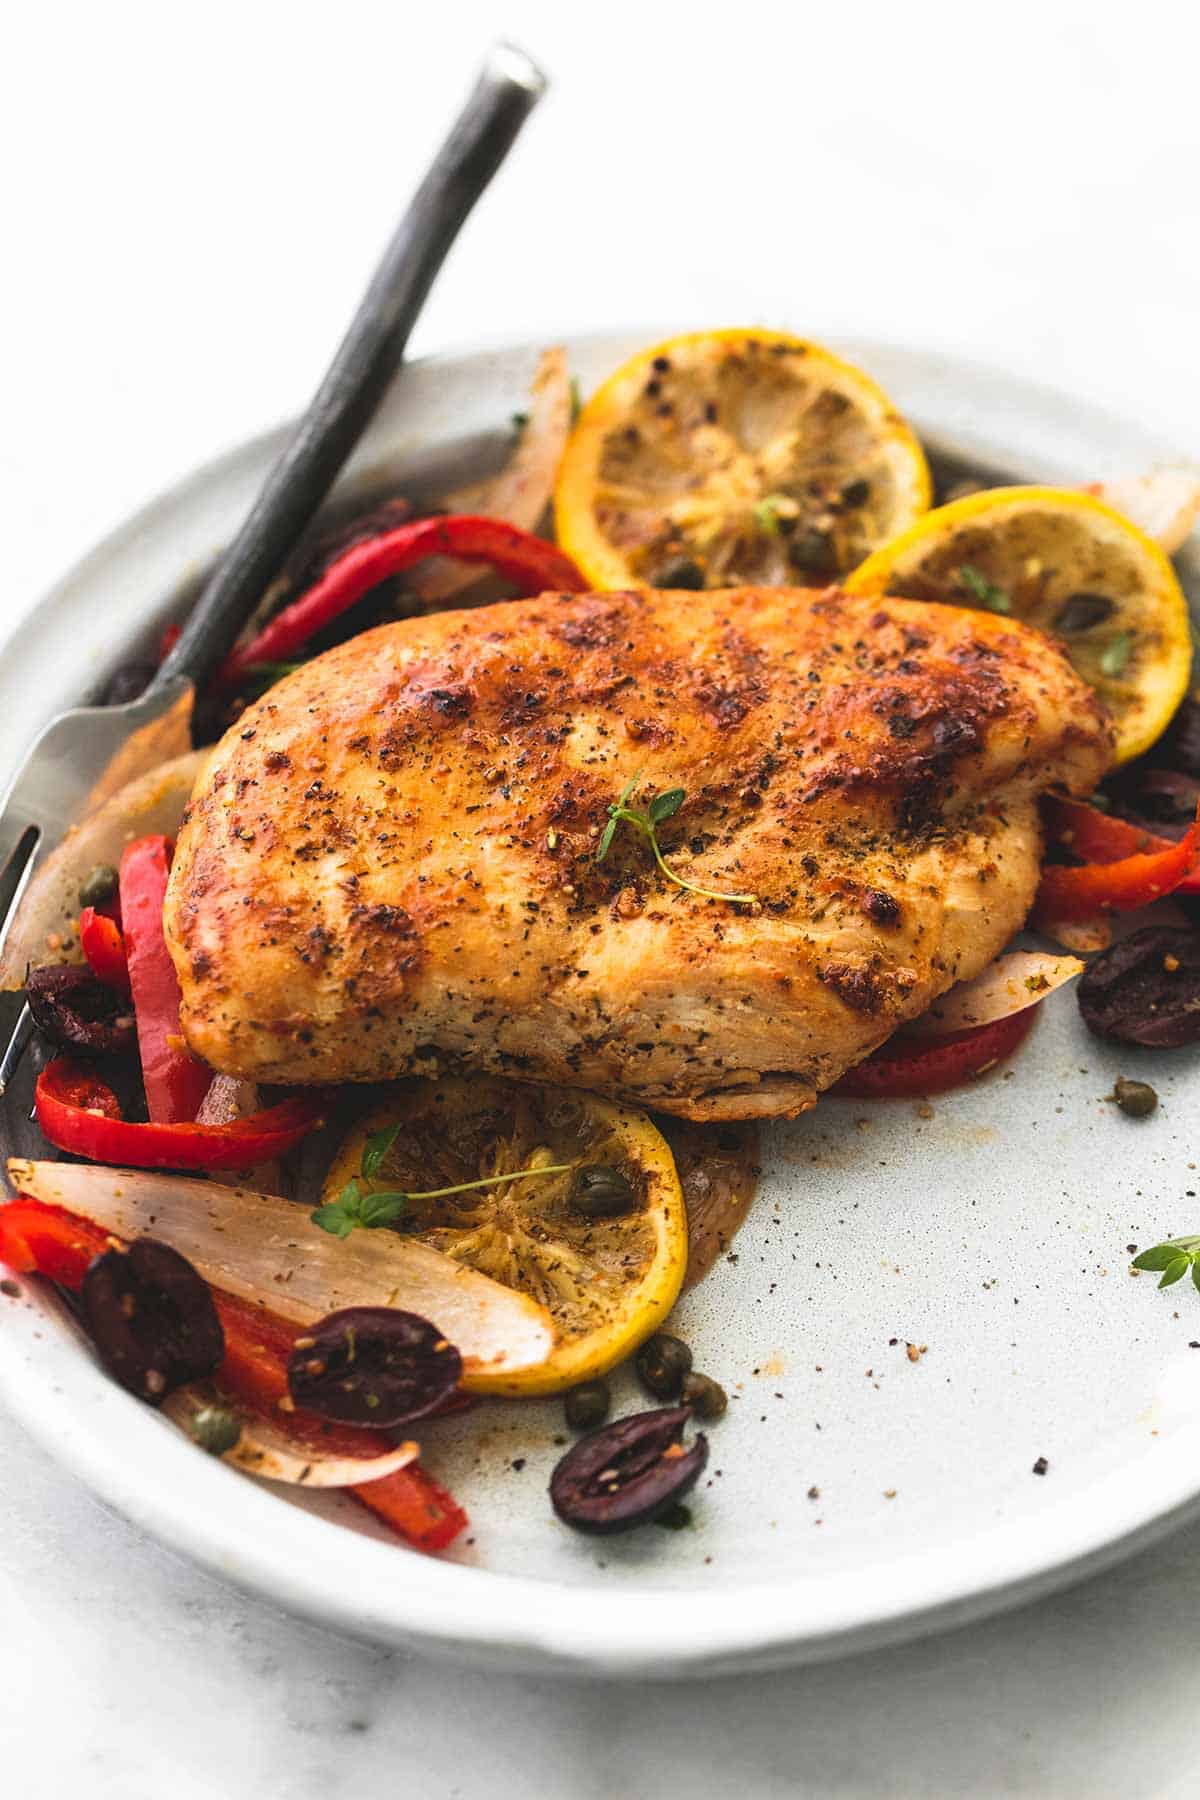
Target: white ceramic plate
854,1497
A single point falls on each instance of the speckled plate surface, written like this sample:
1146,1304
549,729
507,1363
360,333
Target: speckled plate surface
854,1495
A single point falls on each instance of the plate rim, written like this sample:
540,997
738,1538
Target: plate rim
489,1616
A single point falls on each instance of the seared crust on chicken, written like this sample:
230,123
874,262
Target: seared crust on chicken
389,866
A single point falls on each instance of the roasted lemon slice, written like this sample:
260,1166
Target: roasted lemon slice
607,1279
1069,564
729,457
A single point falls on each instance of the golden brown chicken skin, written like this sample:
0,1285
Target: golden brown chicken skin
390,864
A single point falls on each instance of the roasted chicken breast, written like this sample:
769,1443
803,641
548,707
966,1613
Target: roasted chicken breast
390,863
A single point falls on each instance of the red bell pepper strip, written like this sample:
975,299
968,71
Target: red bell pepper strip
77,1112
257,1346
1101,837
418,1508
47,1240
1095,836
1130,881
175,1080
904,1067
77,1089
104,949
533,565
60,1245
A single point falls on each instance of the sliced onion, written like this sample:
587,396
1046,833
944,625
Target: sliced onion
263,1449
1008,985
44,927
1164,504
520,493
229,1098
1084,935
266,1250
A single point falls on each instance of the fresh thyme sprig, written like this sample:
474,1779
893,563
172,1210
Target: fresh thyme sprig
1173,1259
361,1205
646,822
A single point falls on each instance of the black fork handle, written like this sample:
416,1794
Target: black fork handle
508,88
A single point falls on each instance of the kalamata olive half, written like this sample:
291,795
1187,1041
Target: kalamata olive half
152,1319
78,1012
1146,989
372,1365
627,1473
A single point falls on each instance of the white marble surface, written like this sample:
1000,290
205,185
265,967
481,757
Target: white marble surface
194,197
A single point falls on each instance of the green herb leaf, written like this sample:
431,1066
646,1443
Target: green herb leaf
623,797
376,1149
1116,655
1173,1259
666,805
353,1208
1160,1257
340,1216
383,1208
663,806
985,591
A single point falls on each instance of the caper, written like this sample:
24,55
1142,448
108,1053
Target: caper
1135,1098
600,1192
587,1405
1079,612
663,1364
216,1429
98,885
686,573
812,552
705,1396
856,493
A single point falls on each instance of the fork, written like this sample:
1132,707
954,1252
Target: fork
85,753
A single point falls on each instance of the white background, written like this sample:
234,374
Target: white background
193,198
